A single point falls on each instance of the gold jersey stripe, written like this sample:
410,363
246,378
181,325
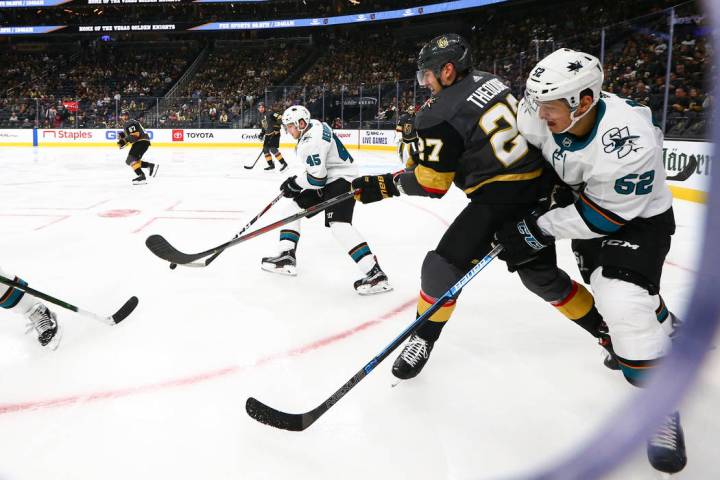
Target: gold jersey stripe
429,179
508,177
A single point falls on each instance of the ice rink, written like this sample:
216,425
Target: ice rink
511,385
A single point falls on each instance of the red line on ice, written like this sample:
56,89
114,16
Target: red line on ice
204,376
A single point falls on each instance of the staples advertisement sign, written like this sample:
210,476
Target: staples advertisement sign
69,135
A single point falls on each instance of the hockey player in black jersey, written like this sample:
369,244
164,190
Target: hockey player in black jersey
270,123
134,134
468,135
408,139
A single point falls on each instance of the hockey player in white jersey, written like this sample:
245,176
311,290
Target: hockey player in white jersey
39,317
619,217
329,168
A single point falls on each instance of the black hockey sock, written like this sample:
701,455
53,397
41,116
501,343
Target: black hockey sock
593,323
139,172
430,331
146,165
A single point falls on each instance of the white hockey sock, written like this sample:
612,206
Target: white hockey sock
13,299
290,233
353,243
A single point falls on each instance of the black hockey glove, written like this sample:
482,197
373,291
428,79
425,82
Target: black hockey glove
309,197
121,143
262,135
522,240
290,187
375,188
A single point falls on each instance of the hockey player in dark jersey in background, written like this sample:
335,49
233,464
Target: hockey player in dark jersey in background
468,135
408,137
134,134
270,123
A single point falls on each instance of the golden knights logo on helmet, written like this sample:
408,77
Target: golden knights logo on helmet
443,42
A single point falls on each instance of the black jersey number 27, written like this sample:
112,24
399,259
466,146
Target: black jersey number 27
500,124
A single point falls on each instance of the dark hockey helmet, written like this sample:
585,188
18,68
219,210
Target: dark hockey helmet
441,50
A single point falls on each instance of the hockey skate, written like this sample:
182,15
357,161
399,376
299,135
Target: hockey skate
45,324
413,358
139,180
270,166
374,282
666,449
283,166
153,169
284,264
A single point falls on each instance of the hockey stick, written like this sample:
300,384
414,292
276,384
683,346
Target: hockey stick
117,317
685,173
162,248
254,163
208,261
300,421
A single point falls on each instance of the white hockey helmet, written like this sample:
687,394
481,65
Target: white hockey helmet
564,74
294,114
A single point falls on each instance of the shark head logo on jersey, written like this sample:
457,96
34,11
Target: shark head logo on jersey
619,140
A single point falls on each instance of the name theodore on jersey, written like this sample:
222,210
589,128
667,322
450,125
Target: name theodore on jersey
486,92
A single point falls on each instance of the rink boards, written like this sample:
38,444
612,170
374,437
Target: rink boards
676,154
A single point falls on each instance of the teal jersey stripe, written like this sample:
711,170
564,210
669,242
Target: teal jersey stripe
316,182
15,296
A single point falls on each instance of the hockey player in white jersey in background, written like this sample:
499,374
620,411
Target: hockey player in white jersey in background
329,168
619,218
39,317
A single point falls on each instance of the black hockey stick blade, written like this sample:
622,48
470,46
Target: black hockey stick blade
294,422
686,172
125,310
162,248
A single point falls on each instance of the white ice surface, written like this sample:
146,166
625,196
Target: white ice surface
510,385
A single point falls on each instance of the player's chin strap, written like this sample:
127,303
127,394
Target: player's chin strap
574,119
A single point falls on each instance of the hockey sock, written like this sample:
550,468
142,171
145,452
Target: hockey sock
146,164
354,244
279,157
579,306
137,168
14,299
289,239
268,159
637,371
431,330
12,296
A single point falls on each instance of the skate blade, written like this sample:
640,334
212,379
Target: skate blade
664,476
280,271
375,290
154,174
144,182
397,382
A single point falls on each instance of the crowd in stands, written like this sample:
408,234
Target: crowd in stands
233,80
90,86
361,73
